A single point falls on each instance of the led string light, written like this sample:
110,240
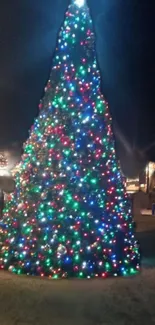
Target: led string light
69,215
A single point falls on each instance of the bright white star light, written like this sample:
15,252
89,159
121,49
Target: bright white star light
80,3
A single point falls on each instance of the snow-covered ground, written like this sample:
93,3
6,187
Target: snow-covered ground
119,301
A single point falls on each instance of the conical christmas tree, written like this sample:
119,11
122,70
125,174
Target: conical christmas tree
69,215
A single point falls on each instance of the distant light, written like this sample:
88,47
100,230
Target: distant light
4,172
80,3
3,161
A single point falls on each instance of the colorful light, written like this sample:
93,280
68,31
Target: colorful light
69,215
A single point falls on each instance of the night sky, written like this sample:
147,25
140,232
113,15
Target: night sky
126,53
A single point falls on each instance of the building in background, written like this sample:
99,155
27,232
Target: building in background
145,181
8,160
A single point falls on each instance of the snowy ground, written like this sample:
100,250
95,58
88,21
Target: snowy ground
121,301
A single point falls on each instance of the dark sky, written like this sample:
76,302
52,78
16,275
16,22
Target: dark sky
125,45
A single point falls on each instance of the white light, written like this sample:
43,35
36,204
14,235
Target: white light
80,3
4,172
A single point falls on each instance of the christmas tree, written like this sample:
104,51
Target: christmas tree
69,215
